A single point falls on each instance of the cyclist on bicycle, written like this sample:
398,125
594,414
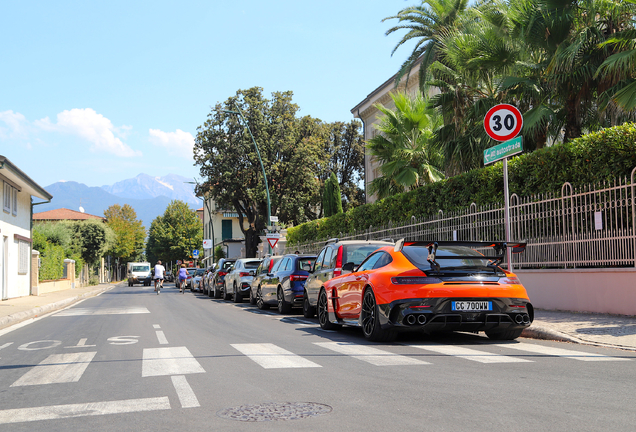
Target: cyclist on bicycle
159,271
183,275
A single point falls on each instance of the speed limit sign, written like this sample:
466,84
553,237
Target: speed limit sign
503,122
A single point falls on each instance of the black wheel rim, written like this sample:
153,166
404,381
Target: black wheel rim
259,298
368,313
323,316
280,302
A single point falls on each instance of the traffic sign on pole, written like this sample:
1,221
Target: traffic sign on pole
195,253
272,242
503,122
503,150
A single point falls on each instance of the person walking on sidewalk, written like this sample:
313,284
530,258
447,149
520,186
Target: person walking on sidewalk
159,272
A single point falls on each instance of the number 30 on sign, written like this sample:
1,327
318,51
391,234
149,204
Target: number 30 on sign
503,122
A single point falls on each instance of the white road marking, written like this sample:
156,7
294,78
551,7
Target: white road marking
559,352
49,344
156,326
6,345
57,368
162,338
270,356
186,395
81,344
470,354
369,354
102,311
169,361
55,412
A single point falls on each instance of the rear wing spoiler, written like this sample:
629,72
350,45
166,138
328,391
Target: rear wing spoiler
499,249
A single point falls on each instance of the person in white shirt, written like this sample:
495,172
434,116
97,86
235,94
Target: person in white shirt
159,271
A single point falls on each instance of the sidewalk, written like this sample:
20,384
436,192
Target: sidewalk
615,331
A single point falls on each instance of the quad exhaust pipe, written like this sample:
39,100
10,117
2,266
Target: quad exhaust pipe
522,319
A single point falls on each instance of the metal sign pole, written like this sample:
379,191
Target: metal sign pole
507,212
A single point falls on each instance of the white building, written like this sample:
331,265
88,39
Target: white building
218,225
15,229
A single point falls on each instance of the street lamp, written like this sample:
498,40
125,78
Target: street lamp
258,153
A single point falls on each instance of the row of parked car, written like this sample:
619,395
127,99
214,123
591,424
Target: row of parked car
383,286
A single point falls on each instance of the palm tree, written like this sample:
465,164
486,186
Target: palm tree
425,23
404,146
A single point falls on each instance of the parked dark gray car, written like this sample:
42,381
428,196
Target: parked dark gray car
219,276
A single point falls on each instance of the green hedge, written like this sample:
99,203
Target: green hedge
52,267
596,157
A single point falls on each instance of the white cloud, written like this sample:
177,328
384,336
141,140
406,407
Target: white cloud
178,143
16,123
91,126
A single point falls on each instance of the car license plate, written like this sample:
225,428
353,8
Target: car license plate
471,306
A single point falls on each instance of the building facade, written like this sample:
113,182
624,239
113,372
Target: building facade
218,225
18,191
369,115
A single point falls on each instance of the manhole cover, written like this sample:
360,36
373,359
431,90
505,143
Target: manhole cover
274,411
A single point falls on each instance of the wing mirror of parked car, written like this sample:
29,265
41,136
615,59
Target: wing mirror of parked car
348,267
307,267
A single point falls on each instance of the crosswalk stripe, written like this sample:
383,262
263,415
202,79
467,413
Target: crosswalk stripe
169,361
469,354
559,352
57,368
21,415
186,395
369,354
270,356
102,311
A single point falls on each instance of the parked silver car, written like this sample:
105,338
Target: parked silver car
238,280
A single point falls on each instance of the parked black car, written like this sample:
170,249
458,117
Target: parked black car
219,276
285,285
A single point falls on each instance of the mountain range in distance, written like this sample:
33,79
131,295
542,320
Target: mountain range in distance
148,195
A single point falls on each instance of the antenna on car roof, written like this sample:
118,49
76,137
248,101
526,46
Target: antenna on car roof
332,240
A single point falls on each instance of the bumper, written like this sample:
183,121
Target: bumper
435,314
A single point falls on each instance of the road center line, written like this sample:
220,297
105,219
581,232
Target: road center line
21,415
161,337
186,395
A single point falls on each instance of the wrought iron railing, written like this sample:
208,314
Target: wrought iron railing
589,226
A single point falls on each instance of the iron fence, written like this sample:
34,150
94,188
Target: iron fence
589,226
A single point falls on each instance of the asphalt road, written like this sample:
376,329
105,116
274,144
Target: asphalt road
130,360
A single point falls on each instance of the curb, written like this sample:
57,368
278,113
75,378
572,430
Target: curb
25,315
546,333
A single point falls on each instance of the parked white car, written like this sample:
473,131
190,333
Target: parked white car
239,279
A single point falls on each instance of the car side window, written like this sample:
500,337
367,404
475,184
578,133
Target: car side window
370,262
384,260
277,266
318,264
327,262
288,264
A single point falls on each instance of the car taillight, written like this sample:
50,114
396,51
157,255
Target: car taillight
510,281
222,273
414,280
294,278
243,274
338,270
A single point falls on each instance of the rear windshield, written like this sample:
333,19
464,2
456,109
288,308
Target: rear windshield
200,272
252,264
418,255
301,262
357,253
192,271
141,268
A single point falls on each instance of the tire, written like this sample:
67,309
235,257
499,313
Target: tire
370,318
504,335
323,313
308,310
226,296
130,284
283,306
259,300
217,292
252,298
238,297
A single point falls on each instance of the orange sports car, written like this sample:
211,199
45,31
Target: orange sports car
429,287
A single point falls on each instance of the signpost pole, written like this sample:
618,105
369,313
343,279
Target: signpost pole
507,212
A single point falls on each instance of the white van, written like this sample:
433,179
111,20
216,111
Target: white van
139,272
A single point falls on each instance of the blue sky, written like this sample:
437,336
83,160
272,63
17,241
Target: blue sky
100,91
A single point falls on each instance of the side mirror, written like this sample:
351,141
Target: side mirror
307,267
349,267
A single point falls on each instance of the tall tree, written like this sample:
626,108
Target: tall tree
175,234
129,232
93,238
289,150
405,146
332,199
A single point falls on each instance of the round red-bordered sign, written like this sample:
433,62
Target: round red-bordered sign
503,122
